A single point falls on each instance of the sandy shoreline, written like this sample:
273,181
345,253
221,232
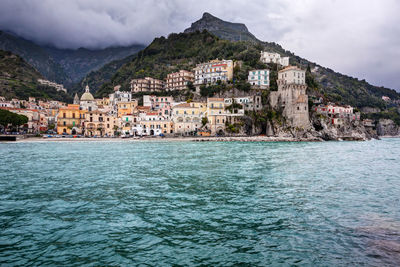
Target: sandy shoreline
171,139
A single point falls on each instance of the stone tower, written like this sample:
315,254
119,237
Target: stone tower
76,99
291,96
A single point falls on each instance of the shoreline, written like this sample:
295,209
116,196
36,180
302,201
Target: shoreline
174,139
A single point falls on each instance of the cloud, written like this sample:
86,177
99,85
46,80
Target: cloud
358,38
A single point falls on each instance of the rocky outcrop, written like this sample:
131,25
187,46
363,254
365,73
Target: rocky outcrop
386,127
223,29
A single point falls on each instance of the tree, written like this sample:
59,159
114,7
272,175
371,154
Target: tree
190,86
204,121
7,118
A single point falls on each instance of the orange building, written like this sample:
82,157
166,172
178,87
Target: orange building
69,120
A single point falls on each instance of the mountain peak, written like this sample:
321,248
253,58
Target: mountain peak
223,29
207,15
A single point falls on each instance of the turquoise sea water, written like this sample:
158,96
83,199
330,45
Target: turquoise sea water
127,203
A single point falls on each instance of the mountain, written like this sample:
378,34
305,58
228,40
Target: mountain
210,38
18,79
35,55
223,29
95,79
64,66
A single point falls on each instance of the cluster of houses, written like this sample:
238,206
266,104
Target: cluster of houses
121,114
42,115
58,87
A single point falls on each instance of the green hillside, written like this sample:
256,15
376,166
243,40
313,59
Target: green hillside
184,50
18,79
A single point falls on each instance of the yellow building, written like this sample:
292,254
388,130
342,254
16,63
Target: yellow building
216,115
69,120
105,101
125,108
98,123
187,117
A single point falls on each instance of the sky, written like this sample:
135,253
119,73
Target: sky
360,38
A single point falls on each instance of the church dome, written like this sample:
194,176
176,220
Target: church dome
87,96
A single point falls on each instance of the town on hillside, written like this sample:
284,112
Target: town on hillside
121,114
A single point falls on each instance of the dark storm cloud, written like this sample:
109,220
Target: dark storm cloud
359,38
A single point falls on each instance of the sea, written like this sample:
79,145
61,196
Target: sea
178,203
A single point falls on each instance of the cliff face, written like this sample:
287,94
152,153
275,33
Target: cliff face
223,29
386,127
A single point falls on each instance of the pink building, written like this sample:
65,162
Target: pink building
162,105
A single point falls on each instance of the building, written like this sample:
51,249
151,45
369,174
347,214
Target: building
147,84
124,108
291,96
179,80
259,78
267,57
187,117
153,124
69,120
213,71
216,115
59,87
386,98
368,123
87,101
160,104
338,114
98,123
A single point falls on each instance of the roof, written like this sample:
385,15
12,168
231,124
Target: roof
183,105
291,68
215,99
87,97
142,107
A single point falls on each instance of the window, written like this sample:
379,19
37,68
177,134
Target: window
73,115
64,123
64,115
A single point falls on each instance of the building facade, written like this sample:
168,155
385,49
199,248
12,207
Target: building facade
259,78
179,80
216,115
147,84
69,120
213,71
187,117
267,57
291,96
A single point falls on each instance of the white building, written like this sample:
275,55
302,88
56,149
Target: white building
267,57
87,101
59,87
213,71
259,78
292,75
118,97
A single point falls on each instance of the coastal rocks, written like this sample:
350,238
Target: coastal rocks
349,131
386,127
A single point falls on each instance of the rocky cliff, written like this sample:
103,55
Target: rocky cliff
386,127
223,29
